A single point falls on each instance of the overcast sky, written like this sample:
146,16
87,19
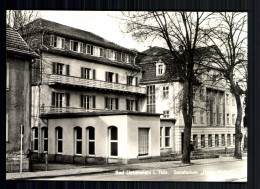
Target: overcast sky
101,23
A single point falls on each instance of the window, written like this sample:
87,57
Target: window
76,46
78,140
216,140
143,141
90,49
210,140
194,118
136,81
57,42
93,74
109,77
159,69
228,119
167,136
59,139
57,99
227,99
233,119
129,105
223,139
129,80
228,140
123,57
91,140
7,76
165,92
85,73
45,139
202,117
111,103
136,105
127,58
166,114
202,141
85,101
195,141
208,117
161,130
214,118
116,77
201,94
234,139
113,141
151,98
35,139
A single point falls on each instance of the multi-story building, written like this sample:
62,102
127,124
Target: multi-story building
87,105
214,116
19,58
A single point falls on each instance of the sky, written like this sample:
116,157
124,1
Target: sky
101,23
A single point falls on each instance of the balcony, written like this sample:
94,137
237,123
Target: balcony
81,82
57,110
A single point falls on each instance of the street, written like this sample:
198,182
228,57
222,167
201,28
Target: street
217,171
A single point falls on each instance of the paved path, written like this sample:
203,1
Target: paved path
80,170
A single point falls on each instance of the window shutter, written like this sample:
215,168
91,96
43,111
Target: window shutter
71,44
127,104
91,49
106,102
116,77
51,42
136,105
106,76
82,72
136,81
81,47
116,103
94,101
67,99
94,74
54,68
67,70
63,43
81,101
53,98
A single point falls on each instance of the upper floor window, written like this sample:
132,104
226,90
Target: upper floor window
76,46
90,49
202,117
60,99
85,73
57,42
194,118
129,105
160,69
166,114
59,140
127,58
109,77
165,92
86,102
60,69
35,139
129,80
151,98
111,103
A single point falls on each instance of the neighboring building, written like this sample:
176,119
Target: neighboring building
213,125
19,58
87,105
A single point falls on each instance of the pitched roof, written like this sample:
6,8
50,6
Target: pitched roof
16,44
77,34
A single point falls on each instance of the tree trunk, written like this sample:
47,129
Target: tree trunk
187,116
238,139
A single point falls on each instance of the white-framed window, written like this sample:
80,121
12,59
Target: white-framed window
167,136
127,58
78,140
220,118
216,140
228,140
130,105
202,141
166,113
35,139
113,141
166,92
57,42
7,76
111,103
76,46
161,130
109,77
89,49
160,69
233,119
223,139
210,140
45,139
85,73
228,122
151,98
85,101
91,140
59,100
202,117
59,140
143,141
129,80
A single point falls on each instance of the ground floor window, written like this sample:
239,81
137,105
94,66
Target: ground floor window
78,140
161,130
45,139
143,141
223,139
59,141
216,140
113,141
228,140
210,140
202,141
234,138
195,141
91,140
167,136
35,139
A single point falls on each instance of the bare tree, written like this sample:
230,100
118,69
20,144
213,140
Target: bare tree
230,38
176,29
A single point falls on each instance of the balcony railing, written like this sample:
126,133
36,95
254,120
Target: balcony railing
77,81
55,110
